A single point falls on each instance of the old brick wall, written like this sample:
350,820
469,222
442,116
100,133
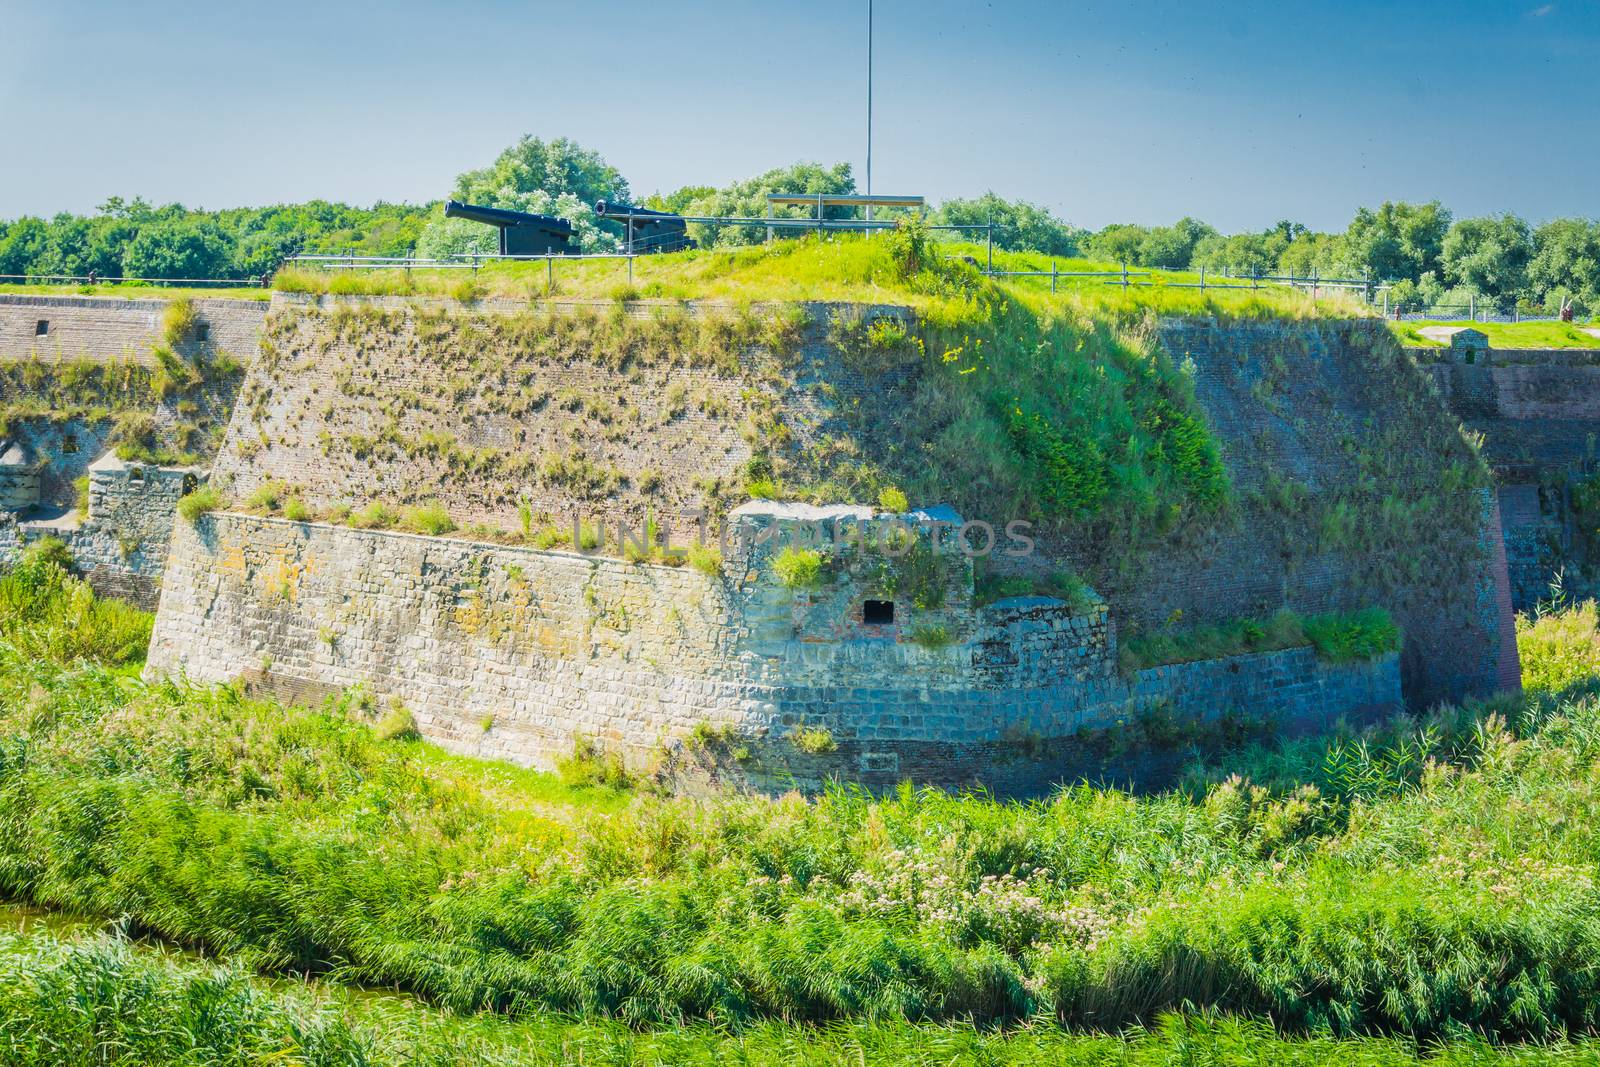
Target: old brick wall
513,652
1538,411
120,547
106,328
1324,426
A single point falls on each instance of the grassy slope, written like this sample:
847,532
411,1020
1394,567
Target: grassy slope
1424,879
1505,334
846,269
134,291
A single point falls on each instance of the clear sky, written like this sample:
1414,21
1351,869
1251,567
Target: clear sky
1239,113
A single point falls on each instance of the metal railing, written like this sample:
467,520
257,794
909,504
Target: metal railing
1473,311
1126,279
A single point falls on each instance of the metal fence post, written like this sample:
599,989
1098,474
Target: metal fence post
549,272
1052,275
1124,275
1202,277
630,270
990,242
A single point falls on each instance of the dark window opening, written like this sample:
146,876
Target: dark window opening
190,484
136,474
69,445
41,327
877,612
202,332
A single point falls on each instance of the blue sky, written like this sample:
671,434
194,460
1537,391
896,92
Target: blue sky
1239,114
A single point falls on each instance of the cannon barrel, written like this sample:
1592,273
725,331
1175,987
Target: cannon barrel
642,216
494,216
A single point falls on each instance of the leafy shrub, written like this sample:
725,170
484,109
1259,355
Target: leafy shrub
1069,471
589,765
763,489
892,499
705,559
1356,635
932,636
430,519
1560,649
47,614
798,568
375,516
178,321
206,498
268,497
296,510
397,724
814,740
48,551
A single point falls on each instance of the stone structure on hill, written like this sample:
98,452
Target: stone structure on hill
768,668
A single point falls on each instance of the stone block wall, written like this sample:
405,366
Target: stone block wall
121,545
1309,417
106,328
513,653
1538,411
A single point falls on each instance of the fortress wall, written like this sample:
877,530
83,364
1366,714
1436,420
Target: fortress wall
386,400
541,647
121,547
1538,411
349,410
1325,427
105,328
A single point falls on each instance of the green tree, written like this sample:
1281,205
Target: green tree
1397,241
557,177
1489,256
748,199
1118,243
1566,264
180,248
1172,247
21,245
1018,224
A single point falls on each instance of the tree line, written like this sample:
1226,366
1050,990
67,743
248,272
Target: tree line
1427,254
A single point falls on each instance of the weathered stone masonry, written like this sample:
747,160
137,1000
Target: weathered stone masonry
512,653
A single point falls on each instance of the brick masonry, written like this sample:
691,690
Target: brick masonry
1538,411
105,328
512,653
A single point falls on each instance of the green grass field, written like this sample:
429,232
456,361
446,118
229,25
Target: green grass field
1506,334
845,268
1432,881
136,291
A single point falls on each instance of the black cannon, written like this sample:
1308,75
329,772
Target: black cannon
521,234
647,231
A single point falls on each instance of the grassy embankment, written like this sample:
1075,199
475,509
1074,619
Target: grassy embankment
141,291
1506,334
847,269
1431,880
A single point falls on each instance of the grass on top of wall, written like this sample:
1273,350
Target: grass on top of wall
846,268
140,291
1339,637
1505,334
1433,877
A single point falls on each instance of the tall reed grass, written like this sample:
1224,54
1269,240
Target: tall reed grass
106,1002
1430,879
